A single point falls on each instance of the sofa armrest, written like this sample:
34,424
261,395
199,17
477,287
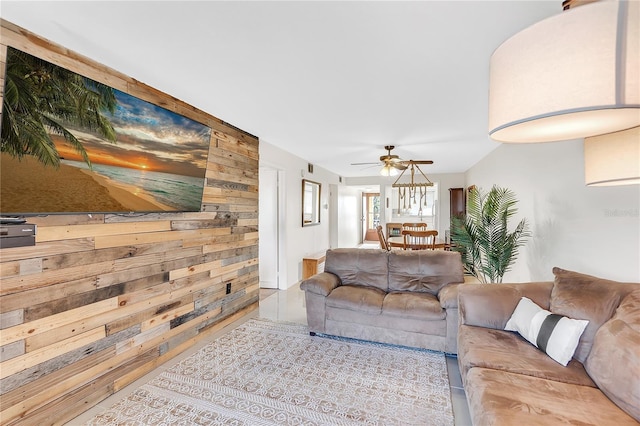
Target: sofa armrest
448,296
321,284
491,305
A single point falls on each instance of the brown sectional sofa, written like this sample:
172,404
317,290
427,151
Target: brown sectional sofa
508,381
400,297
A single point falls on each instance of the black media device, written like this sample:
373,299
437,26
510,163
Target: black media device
16,234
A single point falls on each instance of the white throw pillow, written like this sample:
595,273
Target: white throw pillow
556,335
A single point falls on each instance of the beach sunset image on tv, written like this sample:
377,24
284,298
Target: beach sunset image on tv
70,144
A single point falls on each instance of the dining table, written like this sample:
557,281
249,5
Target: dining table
398,242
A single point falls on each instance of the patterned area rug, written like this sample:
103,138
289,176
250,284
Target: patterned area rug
269,373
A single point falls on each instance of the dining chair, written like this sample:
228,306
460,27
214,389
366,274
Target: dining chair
415,226
419,240
384,245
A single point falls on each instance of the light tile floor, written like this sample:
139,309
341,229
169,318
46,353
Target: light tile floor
278,305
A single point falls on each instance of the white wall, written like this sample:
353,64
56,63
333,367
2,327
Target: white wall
593,230
297,241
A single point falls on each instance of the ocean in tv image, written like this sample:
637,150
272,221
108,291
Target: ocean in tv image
153,159
177,191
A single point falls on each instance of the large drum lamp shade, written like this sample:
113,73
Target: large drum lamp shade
613,159
570,76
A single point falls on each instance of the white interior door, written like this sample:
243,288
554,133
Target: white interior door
269,228
350,213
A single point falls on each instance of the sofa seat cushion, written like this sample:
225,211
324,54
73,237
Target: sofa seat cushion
422,306
503,398
508,351
367,300
351,319
614,361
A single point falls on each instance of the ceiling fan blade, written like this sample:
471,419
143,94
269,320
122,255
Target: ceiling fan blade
392,160
370,167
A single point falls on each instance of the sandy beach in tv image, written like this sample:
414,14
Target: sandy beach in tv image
158,163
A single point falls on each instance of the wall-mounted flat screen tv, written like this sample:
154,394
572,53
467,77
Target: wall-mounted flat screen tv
72,145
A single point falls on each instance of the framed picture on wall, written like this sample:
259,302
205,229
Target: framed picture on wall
310,202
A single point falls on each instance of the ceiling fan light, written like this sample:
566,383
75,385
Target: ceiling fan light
573,75
388,170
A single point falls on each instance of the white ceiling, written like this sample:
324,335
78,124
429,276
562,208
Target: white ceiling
331,82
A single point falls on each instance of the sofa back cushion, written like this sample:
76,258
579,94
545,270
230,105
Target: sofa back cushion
589,298
491,305
614,361
359,267
424,270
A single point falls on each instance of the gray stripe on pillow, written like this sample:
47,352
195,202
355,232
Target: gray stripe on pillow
546,329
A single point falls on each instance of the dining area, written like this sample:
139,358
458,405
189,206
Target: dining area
410,236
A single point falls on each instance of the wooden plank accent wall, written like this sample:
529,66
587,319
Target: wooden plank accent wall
103,299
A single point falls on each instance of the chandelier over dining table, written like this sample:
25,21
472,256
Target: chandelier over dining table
414,192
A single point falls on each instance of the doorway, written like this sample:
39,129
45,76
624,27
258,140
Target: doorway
371,215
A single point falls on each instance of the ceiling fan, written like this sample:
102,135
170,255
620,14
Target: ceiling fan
391,163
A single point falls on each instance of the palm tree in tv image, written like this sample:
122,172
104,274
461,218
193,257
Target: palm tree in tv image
41,99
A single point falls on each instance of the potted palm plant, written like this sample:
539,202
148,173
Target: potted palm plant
482,236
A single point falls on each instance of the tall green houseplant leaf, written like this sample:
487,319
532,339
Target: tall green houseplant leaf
483,238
